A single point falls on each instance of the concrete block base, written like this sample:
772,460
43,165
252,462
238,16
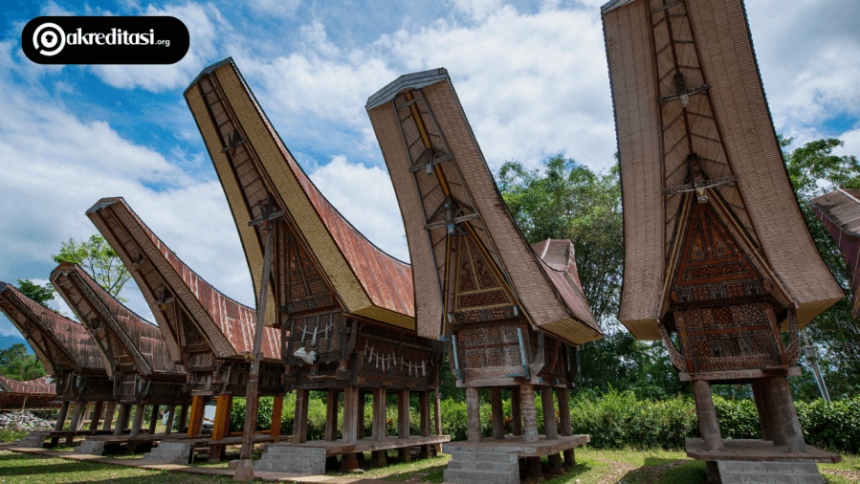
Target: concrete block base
738,472
290,459
94,447
34,440
171,452
479,467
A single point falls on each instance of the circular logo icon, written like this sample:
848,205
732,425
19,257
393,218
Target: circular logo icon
49,36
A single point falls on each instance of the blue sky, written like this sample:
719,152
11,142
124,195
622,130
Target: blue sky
532,77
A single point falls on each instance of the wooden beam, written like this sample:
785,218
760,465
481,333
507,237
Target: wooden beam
277,415
197,405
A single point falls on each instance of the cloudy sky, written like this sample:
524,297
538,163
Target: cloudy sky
532,77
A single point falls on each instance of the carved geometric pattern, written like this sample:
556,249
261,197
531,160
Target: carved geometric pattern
477,286
307,289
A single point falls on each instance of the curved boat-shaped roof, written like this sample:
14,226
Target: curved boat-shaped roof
40,386
33,394
840,212
60,343
690,109
174,291
423,131
256,168
131,342
557,261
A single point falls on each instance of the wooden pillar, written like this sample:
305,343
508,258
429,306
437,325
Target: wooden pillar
76,419
781,405
87,415
349,461
97,414
498,413
300,422
473,414
564,422
109,411
182,427
550,426
196,420
516,411
377,425
122,419
221,426
331,415
61,416
534,473
403,454
527,400
707,414
153,419
138,420
437,416
277,416
360,416
378,430
171,413
424,423
764,413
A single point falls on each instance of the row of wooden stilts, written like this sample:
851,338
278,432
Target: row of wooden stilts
353,425
524,421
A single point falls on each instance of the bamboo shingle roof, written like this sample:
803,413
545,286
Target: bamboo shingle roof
60,343
256,171
131,342
443,185
176,293
840,212
43,385
686,86
40,393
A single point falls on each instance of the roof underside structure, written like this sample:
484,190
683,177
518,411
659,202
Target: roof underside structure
262,181
692,121
60,343
840,212
445,188
175,293
128,340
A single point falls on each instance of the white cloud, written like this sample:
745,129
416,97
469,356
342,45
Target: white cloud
477,9
275,7
809,56
56,166
206,28
365,197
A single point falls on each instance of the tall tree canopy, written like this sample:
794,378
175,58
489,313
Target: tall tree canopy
96,257
16,363
40,294
814,170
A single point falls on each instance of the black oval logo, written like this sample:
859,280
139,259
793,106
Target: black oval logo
105,40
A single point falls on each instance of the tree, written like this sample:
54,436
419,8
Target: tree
814,170
99,260
40,294
16,363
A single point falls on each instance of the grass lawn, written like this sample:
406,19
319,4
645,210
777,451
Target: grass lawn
653,466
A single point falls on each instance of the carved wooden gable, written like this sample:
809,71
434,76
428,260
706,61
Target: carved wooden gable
724,317
306,287
480,294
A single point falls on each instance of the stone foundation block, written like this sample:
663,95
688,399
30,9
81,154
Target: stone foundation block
34,440
482,467
292,460
736,472
178,453
94,447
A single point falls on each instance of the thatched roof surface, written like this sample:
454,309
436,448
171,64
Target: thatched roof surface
126,335
43,385
366,281
461,174
718,112
228,325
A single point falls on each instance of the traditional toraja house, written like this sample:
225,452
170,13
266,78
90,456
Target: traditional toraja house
508,312
840,212
69,355
344,307
717,252
207,334
38,394
141,368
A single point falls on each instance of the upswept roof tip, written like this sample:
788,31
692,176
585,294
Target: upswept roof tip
415,80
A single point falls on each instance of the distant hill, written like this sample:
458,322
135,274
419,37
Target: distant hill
7,341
